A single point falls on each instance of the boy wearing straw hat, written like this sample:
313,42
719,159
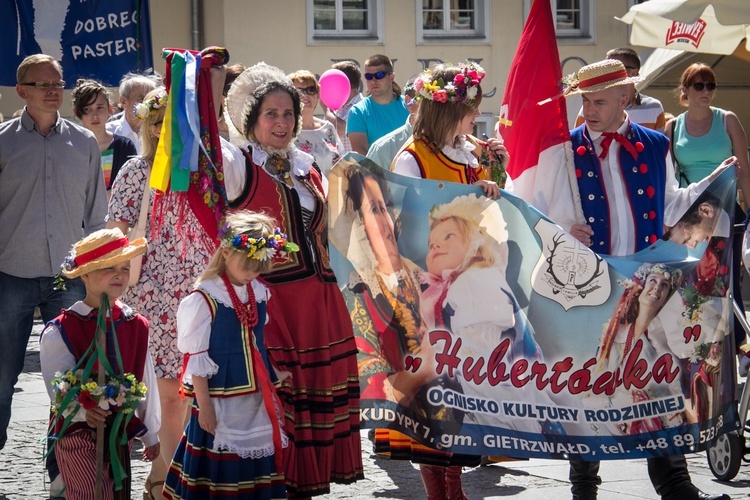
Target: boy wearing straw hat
69,359
628,192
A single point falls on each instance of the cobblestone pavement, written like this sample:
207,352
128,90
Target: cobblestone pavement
22,474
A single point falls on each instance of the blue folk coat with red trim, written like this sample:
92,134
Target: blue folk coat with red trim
644,178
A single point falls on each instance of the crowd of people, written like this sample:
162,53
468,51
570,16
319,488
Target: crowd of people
251,357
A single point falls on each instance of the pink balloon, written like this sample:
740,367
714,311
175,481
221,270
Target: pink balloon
334,88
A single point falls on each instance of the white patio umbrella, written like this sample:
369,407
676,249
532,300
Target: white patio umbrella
710,27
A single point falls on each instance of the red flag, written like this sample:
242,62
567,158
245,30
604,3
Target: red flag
534,123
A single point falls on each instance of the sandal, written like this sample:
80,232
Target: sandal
148,493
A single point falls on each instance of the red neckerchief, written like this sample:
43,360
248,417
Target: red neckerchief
609,137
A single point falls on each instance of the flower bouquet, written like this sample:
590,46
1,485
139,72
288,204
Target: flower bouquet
121,393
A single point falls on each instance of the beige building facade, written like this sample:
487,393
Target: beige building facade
313,34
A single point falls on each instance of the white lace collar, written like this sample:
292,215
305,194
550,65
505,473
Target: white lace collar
462,153
300,161
215,288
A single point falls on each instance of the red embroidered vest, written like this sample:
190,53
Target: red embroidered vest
263,193
132,337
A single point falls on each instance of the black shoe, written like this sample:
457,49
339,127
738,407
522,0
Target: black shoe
708,496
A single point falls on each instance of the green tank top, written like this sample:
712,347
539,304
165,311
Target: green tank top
699,156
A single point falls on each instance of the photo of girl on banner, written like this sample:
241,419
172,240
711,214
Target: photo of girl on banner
465,293
703,340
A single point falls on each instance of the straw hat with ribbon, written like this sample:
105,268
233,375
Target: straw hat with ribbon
99,250
598,76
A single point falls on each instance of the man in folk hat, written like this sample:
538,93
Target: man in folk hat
642,109
628,193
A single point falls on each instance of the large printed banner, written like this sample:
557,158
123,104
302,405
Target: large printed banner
484,329
100,39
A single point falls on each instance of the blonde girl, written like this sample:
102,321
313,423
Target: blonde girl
233,441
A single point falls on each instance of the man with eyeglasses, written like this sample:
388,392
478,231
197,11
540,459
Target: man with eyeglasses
382,111
51,193
642,109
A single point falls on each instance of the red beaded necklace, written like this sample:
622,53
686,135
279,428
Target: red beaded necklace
248,312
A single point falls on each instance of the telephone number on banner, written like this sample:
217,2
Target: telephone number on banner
476,439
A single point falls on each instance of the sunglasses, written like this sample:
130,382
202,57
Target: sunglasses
59,84
377,76
311,90
699,86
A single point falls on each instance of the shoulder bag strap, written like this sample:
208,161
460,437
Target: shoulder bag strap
680,173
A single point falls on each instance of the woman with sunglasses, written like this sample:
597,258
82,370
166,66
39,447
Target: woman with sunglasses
702,137
317,137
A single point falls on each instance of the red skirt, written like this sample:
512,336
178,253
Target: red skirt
310,335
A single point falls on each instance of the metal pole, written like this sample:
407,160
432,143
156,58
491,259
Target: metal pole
196,8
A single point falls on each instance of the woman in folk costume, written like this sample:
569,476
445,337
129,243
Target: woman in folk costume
232,446
70,361
635,330
310,332
182,222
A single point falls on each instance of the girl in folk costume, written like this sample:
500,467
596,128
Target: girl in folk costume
232,445
310,331
69,359
442,147
635,329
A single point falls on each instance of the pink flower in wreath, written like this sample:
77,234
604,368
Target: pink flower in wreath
440,96
474,76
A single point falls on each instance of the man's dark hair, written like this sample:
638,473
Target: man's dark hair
626,53
352,72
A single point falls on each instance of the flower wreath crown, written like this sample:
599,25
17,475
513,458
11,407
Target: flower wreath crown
673,275
256,248
148,107
463,89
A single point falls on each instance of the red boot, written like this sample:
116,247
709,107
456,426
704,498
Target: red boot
433,477
453,483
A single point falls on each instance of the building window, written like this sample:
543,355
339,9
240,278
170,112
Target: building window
446,20
329,21
574,19
484,124
571,18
